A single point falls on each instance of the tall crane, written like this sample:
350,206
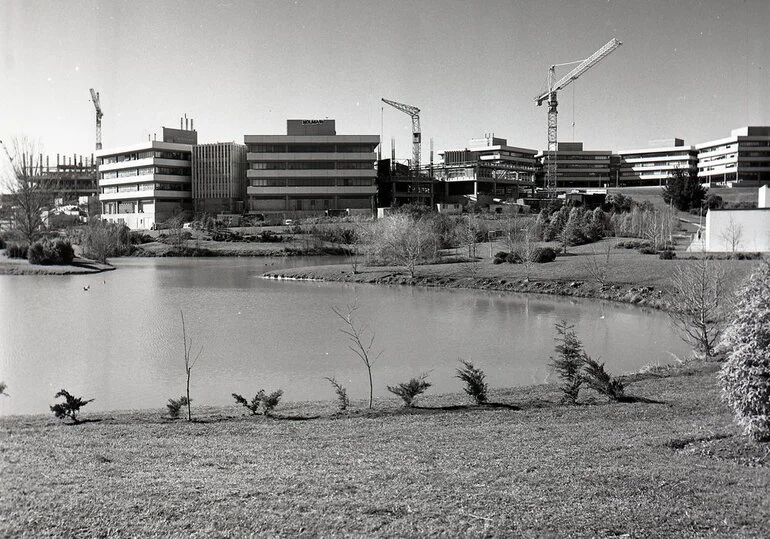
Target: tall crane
414,113
99,114
550,95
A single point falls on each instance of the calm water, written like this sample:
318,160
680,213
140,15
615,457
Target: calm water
120,342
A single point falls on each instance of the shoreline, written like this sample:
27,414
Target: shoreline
79,266
644,296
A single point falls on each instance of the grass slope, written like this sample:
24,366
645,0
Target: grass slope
676,469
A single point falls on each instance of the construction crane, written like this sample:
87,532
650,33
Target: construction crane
99,114
550,95
414,113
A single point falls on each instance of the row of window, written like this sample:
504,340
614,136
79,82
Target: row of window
143,171
312,182
312,165
134,156
133,187
311,148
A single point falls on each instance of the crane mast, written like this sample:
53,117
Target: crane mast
550,95
414,113
99,114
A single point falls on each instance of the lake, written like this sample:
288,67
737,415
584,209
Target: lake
120,341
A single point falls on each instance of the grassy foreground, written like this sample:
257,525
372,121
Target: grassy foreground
677,468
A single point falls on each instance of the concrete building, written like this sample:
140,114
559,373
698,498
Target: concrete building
743,158
487,169
576,167
311,169
654,165
144,185
740,230
219,178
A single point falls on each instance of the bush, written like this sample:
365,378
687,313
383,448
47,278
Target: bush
600,380
342,394
745,376
45,252
70,407
504,256
542,255
409,391
16,250
3,387
261,403
667,255
648,251
569,362
2,243
475,386
175,406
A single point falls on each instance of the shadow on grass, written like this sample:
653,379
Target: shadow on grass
294,417
632,399
83,421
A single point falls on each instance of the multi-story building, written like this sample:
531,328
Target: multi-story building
654,165
576,167
219,177
311,169
743,158
144,185
486,170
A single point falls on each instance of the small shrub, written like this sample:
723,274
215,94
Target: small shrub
2,243
175,406
342,394
475,386
667,255
600,380
542,255
648,251
17,250
3,387
504,256
70,407
261,403
409,391
568,364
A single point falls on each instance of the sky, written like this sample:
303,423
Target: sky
692,69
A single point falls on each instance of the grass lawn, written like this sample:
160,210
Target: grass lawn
678,468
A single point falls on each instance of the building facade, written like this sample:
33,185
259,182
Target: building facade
219,178
311,170
146,184
576,167
653,166
740,230
743,158
487,169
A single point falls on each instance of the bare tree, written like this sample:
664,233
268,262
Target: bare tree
599,262
362,346
407,241
29,190
732,235
700,304
189,363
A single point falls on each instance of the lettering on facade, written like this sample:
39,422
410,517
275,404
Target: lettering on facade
312,122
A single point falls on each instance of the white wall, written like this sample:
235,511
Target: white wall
749,228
